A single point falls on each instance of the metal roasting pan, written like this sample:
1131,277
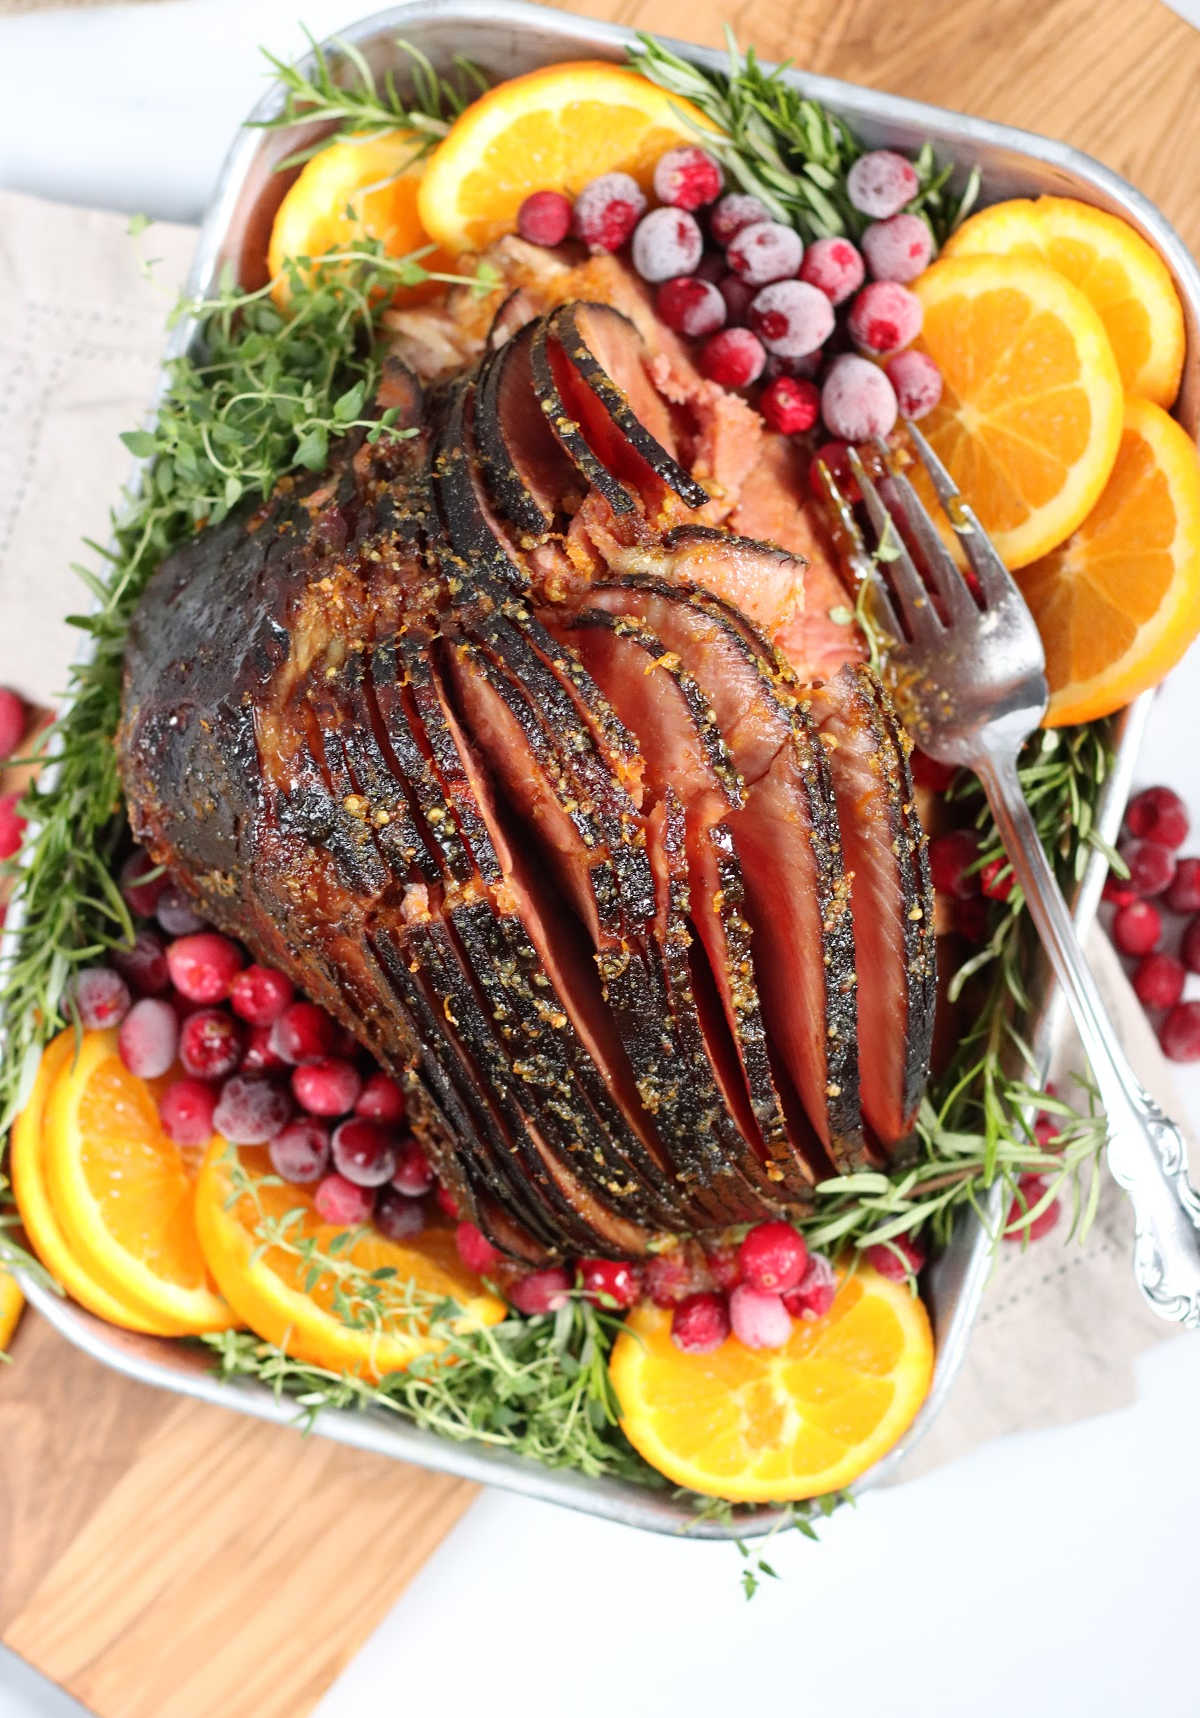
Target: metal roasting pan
507,37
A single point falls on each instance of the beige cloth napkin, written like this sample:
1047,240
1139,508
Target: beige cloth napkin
81,332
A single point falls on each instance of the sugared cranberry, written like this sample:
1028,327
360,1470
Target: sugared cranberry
204,965
897,1259
540,1291
340,1202
176,914
723,1267
880,183
1184,894
302,1033
259,995
790,318
835,456
1031,1189
834,267
1190,947
671,1276
816,1291
475,1250
1118,890
765,252
1158,814
738,297
1046,1130
691,307
997,880
300,1152
396,1217
186,1112
329,1087
364,1152
1138,928
666,243
951,858
413,1174
100,997
857,400
144,963
1158,980
917,381
759,1320
898,248
609,1282
700,1323
544,218
1180,1032
773,1257
259,1058
12,721
1151,866
607,210
790,406
928,772
12,825
447,1204
148,1038
687,177
884,317
737,209
381,1099
251,1111
734,358
142,896
210,1044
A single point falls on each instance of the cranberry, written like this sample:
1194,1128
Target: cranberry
142,896
341,1203
759,1320
687,177
857,400
917,381
540,1291
791,319
176,914
897,1259
186,1110
738,297
773,1257
99,997
1031,1189
880,183
1158,814
302,1033
12,825
671,1276
1138,928
712,267
447,1204
210,1044
816,1291
734,358
790,406
251,1111
259,1057
329,1087
951,857
396,1217
12,721
609,1282
971,919
607,210
259,995
413,1174
1046,1130
1118,890
691,307
737,209
899,248
1184,894
834,267
997,880
544,218
1158,980
765,252
1179,1034
700,1323
930,773
364,1152
475,1250
300,1151
724,1267
143,964
381,1099
203,966
1191,946
148,1038
884,317
835,456
1151,866
666,242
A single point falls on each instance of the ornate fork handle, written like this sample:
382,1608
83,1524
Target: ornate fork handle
1146,1152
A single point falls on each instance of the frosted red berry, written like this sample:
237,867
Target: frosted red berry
1183,896
1046,1130
1158,814
259,1058
738,296
951,858
12,721
790,318
884,317
185,1112
1119,891
1031,1190
1151,866
758,1319
700,1323
930,773
997,880
341,1203
899,248
1158,980
475,1250
666,243
144,963
396,1217
1180,1032
544,218
723,1267
734,358
764,252
328,1087
176,914
690,306
898,1258
381,1099
674,1275
917,382
12,825
302,1033
148,1038
1138,928
880,183
736,210
687,177
816,1291
446,1203
413,1174
210,1044
300,1151
790,406
857,400
99,997
607,210
1190,946
834,267
252,1111
773,1257
540,1291
364,1152
204,965
142,884
609,1282
259,995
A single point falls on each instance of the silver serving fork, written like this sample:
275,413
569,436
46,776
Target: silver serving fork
970,683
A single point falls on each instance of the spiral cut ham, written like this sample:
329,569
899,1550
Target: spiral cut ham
491,738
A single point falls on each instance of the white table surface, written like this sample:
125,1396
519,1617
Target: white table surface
1050,1573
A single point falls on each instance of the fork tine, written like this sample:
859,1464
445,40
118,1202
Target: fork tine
947,580
995,580
916,605
857,555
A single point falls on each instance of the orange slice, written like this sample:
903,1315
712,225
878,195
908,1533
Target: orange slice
551,130
1031,412
28,1168
1118,603
332,1314
360,187
1112,265
12,1304
123,1193
777,1425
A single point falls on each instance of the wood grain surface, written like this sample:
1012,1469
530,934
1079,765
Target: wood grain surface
162,1559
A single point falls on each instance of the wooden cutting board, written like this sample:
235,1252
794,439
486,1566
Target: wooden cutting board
162,1559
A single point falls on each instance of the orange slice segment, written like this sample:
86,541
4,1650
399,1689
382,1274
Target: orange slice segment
46,1236
12,1304
334,1313
1031,412
123,1193
777,1425
1115,268
360,187
1118,603
551,130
